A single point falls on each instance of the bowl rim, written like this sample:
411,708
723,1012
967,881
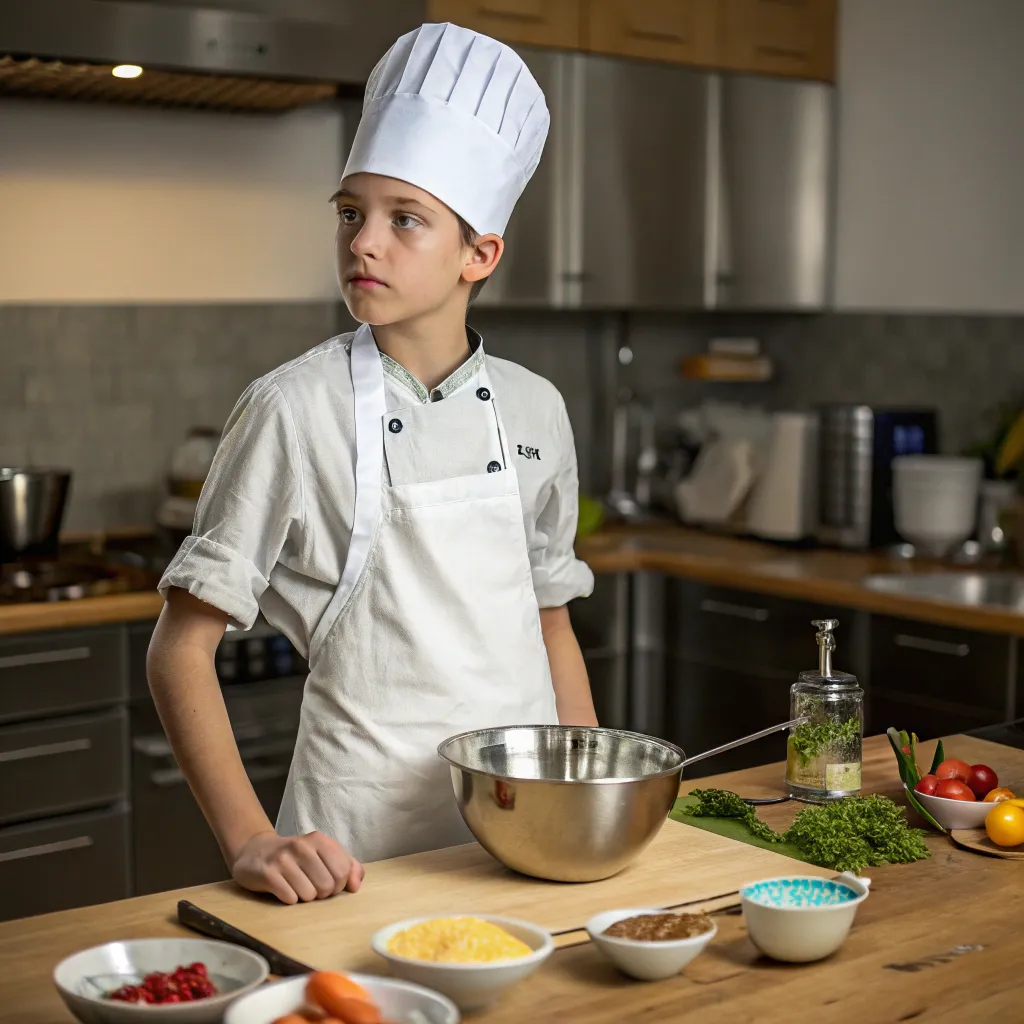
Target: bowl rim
952,800
378,943
651,944
664,773
860,897
361,978
214,1000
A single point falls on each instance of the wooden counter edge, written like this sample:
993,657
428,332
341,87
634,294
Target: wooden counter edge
36,617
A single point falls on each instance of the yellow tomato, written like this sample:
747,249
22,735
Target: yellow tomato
997,795
1005,824
1015,802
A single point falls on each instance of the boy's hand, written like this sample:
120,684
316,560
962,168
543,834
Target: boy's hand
296,868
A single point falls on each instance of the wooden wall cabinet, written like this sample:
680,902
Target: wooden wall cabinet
553,23
794,38
789,38
678,31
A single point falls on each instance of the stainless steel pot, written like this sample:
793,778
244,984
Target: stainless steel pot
32,501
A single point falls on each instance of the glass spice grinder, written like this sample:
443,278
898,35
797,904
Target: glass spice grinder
823,753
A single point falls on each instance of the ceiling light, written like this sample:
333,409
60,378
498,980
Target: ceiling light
126,71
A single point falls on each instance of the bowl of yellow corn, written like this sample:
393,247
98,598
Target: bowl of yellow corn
471,959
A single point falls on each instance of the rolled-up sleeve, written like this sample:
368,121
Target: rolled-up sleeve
251,505
558,575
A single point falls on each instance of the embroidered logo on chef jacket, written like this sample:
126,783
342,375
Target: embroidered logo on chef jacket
528,453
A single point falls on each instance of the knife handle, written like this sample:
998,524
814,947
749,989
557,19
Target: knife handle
208,924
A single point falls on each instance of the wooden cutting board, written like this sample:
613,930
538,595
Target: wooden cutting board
977,839
683,865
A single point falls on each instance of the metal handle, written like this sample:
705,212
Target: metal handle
782,51
737,611
45,750
45,657
654,35
920,643
40,851
791,724
509,14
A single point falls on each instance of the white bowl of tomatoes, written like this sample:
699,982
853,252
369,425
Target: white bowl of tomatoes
960,795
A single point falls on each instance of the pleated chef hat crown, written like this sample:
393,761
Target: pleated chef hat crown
457,114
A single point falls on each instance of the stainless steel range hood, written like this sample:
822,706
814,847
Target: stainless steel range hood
235,54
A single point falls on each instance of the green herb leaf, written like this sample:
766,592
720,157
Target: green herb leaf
808,740
847,835
913,758
940,756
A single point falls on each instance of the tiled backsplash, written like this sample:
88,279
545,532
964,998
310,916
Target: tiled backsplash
110,390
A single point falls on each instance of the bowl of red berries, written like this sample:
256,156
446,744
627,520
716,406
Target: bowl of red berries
177,981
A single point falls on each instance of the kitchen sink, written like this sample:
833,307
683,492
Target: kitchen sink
997,590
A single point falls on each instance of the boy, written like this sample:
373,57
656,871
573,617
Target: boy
402,506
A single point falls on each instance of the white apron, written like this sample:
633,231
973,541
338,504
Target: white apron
434,628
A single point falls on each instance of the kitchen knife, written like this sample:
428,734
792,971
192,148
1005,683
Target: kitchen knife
207,924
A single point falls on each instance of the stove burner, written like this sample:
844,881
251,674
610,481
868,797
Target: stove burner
22,582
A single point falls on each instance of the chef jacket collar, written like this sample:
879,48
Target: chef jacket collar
447,387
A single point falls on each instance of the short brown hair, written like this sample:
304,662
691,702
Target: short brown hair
469,237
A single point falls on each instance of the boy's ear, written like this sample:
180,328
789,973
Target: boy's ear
483,258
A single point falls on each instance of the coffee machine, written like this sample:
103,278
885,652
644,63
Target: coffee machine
857,444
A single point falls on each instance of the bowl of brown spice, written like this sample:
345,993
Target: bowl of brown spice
650,944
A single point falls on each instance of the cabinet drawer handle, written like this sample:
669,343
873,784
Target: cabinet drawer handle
45,750
40,851
509,15
45,657
782,51
654,36
736,611
920,643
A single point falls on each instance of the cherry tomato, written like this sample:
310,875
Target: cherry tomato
954,768
954,789
1005,824
927,785
993,796
982,779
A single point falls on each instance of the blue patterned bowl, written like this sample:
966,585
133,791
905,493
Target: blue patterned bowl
801,919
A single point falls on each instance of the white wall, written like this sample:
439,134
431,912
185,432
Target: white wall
115,204
931,155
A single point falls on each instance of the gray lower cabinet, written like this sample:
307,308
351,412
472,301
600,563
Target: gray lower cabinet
61,671
730,659
64,817
63,764
936,680
65,862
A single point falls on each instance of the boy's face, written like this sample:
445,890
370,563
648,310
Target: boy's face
399,251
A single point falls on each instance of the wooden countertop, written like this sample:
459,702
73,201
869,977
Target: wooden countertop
938,940
831,577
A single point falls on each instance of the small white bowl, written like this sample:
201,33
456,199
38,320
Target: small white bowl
84,979
955,813
646,961
471,986
800,919
395,1000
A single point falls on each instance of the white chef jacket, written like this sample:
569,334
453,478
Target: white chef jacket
274,520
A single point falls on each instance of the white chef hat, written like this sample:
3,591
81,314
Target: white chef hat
457,114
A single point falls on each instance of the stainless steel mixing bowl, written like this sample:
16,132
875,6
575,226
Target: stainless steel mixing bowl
565,803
